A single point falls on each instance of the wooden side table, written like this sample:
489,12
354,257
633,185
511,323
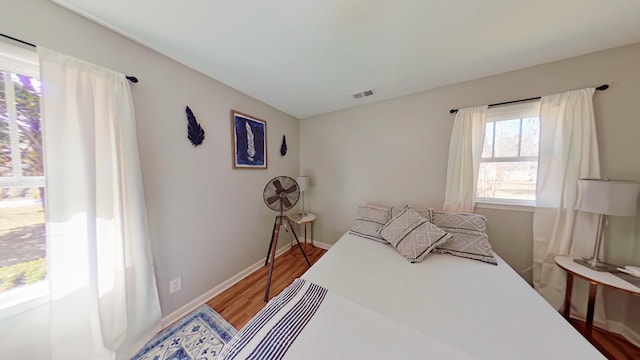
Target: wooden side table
305,219
594,278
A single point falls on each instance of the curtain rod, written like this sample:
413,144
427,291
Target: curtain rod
453,111
133,79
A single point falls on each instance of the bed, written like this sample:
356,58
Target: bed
376,305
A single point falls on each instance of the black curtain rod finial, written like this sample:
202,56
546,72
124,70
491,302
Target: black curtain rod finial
133,79
453,111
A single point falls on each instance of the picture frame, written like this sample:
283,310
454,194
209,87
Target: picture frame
249,141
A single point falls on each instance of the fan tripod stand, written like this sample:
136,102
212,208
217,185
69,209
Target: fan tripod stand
273,245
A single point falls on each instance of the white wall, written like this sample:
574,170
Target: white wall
207,221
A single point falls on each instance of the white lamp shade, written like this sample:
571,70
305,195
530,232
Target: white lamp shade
608,197
303,182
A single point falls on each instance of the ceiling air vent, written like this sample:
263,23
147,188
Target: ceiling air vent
362,94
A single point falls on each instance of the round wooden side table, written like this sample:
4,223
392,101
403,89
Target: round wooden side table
304,220
594,278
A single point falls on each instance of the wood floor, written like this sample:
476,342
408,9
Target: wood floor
613,346
240,302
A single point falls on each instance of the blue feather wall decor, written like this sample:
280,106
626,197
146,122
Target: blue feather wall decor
283,147
195,133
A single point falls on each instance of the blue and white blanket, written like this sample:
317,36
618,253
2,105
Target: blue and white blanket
306,321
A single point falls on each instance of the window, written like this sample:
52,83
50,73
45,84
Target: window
509,163
22,227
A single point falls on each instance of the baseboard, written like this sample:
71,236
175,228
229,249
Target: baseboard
625,331
195,303
322,245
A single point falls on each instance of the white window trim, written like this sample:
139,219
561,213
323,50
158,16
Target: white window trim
506,204
27,181
24,298
19,60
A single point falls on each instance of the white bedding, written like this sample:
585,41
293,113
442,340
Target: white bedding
306,321
484,310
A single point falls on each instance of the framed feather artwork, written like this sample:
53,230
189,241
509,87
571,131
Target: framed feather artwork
249,140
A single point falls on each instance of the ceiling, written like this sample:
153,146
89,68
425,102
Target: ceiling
306,57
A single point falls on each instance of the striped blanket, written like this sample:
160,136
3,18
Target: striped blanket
306,321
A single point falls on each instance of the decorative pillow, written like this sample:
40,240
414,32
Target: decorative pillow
412,235
370,219
395,211
470,239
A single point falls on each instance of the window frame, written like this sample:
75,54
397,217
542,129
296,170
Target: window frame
18,60
517,111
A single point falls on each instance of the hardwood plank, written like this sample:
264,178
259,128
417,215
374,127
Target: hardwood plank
611,345
239,303
242,301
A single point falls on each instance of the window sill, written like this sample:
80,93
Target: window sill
23,299
504,206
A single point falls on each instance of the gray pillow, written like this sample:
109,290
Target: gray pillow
470,239
412,235
370,219
395,211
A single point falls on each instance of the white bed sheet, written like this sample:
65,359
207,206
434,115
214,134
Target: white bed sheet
338,329
485,310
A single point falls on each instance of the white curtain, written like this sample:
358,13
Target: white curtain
103,301
465,150
568,152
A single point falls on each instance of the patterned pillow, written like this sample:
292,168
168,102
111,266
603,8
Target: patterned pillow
470,239
370,220
395,211
412,235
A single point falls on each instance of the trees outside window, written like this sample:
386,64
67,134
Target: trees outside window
509,163
22,222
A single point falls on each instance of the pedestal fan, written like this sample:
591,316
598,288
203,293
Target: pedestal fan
280,194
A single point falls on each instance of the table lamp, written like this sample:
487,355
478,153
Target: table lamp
303,184
605,197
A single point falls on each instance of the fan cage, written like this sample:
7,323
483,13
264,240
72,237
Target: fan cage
281,193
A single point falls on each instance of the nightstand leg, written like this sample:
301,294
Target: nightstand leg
305,237
593,287
298,241
567,297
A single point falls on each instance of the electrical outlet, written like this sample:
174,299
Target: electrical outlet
175,285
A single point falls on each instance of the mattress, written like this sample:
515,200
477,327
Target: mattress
484,310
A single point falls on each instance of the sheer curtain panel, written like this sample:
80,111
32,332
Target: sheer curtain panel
103,301
465,150
568,152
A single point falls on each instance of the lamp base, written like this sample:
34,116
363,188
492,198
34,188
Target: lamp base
596,265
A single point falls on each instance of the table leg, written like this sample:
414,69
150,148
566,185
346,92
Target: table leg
305,236
312,233
567,297
591,306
